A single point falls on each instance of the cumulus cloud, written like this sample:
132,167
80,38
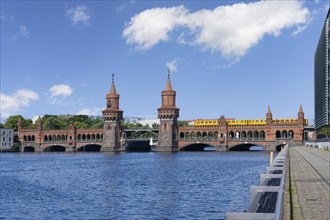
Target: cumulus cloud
59,91
79,15
89,111
23,31
11,104
172,65
230,30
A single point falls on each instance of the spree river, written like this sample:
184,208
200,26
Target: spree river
186,185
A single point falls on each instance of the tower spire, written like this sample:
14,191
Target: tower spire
168,83
300,108
269,111
113,87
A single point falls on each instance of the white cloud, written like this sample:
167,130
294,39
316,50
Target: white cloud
79,15
24,31
59,91
230,30
89,111
11,104
172,65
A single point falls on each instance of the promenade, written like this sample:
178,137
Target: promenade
309,180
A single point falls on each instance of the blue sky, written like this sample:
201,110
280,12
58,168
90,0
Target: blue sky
226,57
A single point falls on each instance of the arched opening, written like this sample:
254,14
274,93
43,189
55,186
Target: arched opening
243,135
290,135
280,147
54,138
50,139
231,135
278,134
84,137
97,137
262,135
249,135
256,135
187,136
33,138
210,136
29,138
246,147
193,136
93,137
204,135
45,138
284,134
90,147
198,135
88,137
79,137
198,147
181,136
58,138
237,135
216,134
29,149
24,138
55,148
137,146
63,137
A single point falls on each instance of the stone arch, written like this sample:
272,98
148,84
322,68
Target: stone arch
93,137
88,137
256,135
216,135
291,134
164,127
210,135
29,138
181,135
262,135
63,137
33,138
53,148
98,137
45,138
84,137
197,147
50,139
79,137
237,135
187,136
90,147
54,138
204,135
249,135
243,135
193,135
278,134
245,147
198,135
24,138
231,135
284,134
58,138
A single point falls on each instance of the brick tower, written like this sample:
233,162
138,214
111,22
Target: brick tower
168,114
112,117
301,115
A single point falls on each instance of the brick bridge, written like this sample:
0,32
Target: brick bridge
224,133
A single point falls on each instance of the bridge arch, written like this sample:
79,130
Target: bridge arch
198,147
90,148
28,149
245,147
143,133
54,148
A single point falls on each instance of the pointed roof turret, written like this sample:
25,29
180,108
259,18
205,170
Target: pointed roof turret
113,87
300,109
269,111
168,83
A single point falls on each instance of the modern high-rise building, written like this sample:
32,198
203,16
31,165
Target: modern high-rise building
321,77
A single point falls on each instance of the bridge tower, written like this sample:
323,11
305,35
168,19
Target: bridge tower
168,114
301,115
112,117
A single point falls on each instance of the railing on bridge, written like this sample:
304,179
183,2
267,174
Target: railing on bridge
266,200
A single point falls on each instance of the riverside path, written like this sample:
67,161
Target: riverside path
309,179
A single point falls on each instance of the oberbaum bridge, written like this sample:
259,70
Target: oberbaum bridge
223,134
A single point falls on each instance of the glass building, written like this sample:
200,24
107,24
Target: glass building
321,77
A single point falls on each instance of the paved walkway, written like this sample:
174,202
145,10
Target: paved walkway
310,183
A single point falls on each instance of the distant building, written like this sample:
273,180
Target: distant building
132,120
149,122
321,77
6,138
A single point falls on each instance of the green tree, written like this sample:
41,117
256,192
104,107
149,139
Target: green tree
183,123
325,131
2,125
53,122
11,122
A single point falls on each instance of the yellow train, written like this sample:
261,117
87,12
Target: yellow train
233,122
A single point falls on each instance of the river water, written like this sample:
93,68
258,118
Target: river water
187,185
